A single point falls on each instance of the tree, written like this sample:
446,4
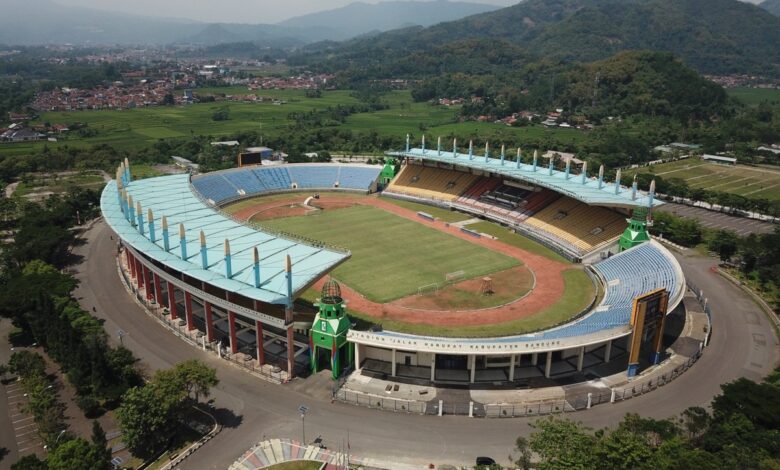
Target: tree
561,443
100,451
29,462
147,421
195,378
222,114
76,454
524,454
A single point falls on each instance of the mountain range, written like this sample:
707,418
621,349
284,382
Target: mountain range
25,22
713,36
772,6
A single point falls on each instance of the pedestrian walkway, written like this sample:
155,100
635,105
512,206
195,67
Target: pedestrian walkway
274,451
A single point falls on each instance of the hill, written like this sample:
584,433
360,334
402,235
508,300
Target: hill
32,22
361,18
772,6
714,36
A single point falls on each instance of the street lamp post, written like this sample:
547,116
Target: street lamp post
303,409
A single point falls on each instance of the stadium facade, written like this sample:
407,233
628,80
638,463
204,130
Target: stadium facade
234,285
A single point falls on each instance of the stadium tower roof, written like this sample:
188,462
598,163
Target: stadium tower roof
591,191
173,197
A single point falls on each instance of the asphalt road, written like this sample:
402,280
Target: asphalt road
743,344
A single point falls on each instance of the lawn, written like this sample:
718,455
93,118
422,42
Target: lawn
443,214
391,256
56,183
135,128
510,238
579,292
755,96
751,182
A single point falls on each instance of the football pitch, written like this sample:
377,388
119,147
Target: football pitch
392,257
751,182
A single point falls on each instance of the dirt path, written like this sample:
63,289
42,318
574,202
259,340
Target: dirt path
549,279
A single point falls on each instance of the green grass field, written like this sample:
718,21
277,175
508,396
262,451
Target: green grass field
755,96
136,128
442,214
752,182
579,292
392,257
37,183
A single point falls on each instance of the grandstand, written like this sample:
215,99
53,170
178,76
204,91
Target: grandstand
573,214
431,183
578,224
225,186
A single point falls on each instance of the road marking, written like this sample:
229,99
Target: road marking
22,427
23,419
26,433
762,189
28,448
15,396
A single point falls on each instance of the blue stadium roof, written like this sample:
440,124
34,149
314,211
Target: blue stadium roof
172,196
589,192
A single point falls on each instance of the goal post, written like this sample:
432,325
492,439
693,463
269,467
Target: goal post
455,276
428,289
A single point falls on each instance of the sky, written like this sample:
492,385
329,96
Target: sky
229,11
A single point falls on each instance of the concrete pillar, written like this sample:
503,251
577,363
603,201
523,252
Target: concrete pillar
139,270
512,368
392,364
259,340
158,290
188,311
607,351
172,301
581,359
130,263
148,284
357,356
471,409
548,364
590,399
209,320
290,352
433,369
473,368
534,359
232,332
612,396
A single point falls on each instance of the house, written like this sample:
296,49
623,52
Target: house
719,159
20,135
226,143
14,117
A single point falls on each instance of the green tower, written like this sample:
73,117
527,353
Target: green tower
388,171
328,334
636,232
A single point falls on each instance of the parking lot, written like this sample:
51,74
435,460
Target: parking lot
25,432
718,220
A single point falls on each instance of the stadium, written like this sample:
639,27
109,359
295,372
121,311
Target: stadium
393,271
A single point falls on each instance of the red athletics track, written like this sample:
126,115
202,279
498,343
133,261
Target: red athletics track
549,279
